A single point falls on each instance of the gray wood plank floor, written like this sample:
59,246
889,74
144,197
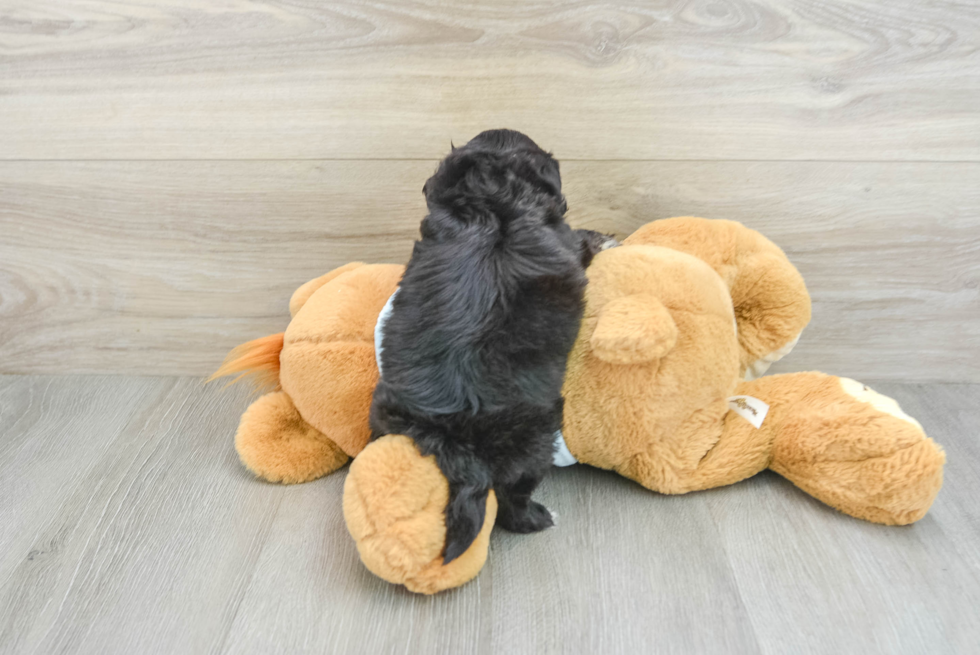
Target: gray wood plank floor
127,525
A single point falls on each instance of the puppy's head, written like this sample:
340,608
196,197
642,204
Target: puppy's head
498,178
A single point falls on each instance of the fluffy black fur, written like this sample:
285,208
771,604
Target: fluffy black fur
474,350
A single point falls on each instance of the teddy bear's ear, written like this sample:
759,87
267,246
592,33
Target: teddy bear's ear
633,330
301,295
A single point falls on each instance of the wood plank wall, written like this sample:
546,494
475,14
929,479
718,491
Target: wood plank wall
170,170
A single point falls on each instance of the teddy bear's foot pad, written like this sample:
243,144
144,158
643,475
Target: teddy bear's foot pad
274,442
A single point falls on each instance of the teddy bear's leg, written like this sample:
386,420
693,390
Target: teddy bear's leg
275,443
328,365
394,506
850,447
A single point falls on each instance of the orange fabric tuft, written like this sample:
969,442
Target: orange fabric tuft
258,359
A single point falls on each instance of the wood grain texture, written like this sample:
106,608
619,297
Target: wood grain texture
145,535
150,549
171,170
161,267
673,79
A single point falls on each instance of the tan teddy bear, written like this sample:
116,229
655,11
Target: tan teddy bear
676,319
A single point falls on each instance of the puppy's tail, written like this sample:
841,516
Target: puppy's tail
258,359
469,484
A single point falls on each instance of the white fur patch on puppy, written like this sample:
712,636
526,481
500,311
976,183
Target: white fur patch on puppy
379,329
563,456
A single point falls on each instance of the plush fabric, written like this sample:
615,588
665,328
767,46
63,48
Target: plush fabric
327,361
677,322
323,370
393,504
275,443
302,294
768,293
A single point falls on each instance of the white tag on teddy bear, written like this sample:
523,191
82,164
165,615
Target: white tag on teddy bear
751,409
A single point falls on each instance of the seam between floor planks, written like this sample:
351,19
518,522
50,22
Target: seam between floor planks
726,568
162,267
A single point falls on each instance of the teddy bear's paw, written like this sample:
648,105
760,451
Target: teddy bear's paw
866,394
275,443
394,506
858,451
758,368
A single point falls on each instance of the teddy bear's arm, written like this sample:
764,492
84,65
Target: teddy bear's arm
772,305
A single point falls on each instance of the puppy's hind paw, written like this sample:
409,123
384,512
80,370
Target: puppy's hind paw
533,518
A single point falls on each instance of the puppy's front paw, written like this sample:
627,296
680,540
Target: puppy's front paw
533,518
593,243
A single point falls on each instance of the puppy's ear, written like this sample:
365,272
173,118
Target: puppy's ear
633,330
440,226
550,174
450,173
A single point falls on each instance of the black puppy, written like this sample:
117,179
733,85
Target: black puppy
473,353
